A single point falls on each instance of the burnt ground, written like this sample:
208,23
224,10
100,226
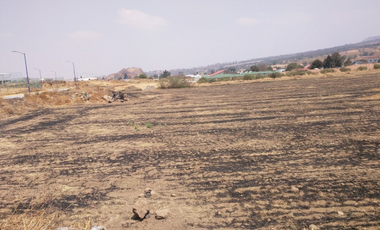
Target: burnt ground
280,154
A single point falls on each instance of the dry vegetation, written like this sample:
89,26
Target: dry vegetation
267,154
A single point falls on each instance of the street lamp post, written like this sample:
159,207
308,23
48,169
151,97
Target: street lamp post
26,69
75,78
40,76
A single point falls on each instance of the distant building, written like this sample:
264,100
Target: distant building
365,60
373,59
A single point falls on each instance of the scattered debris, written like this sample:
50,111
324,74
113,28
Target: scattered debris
143,207
83,95
108,98
340,213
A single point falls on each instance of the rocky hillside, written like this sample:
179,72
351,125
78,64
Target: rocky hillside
127,73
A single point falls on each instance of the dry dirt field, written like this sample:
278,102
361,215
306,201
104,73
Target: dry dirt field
276,154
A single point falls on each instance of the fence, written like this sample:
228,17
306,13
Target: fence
14,83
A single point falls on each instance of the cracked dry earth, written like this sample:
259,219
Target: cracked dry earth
281,154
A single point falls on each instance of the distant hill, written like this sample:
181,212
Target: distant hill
127,73
275,60
374,38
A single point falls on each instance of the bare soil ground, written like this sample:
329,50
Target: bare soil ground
278,154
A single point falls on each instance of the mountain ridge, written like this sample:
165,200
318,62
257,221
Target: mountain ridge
273,60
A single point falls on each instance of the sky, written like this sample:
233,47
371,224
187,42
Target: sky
104,36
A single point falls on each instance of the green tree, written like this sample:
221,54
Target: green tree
337,60
262,66
328,62
165,74
143,75
293,66
316,64
270,68
232,69
254,68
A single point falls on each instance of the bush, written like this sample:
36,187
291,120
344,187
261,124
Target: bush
275,75
310,73
249,77
362,68
174,82
344,69
328,70
204,80
143,75
296,73
376,66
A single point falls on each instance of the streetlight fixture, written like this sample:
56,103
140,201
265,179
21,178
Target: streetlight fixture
55,73
75,78
26,69
40,76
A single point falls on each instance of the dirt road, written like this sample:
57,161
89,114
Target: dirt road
262,155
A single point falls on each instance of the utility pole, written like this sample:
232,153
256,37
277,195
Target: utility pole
26,69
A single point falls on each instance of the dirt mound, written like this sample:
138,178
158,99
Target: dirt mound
130,72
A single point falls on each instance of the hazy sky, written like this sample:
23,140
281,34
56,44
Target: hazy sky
102,37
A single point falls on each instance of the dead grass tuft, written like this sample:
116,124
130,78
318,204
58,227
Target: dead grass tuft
38,215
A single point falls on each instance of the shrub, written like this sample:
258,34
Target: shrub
224,79
296,73
376,66
275,75
143,75
362,68
203,80
310,72
249,77
292,66
174,82
344,69
328,70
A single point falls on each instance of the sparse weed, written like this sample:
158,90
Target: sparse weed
362,68
344,69
327,71
148,125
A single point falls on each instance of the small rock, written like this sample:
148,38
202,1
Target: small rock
108,98
148,192
295,189
173,195
141,208
313,227
340,213
98,228
162,214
